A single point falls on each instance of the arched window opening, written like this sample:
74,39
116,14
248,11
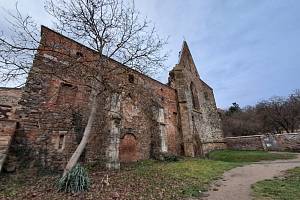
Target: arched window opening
194,93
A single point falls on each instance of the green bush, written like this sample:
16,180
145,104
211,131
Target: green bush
167,157
76,180
171,158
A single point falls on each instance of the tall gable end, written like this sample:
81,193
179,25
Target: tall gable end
186,59
200,124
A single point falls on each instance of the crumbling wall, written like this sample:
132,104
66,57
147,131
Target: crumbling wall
200,123
9,98
55,111
288,142
254,142
149,118
142,101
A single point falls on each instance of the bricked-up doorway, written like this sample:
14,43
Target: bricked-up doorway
128,149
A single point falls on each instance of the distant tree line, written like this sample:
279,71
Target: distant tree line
275,115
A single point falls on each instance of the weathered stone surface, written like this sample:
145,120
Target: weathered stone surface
254,142
7,130
128,149
271,142
9,98
137,118
199,121
286,142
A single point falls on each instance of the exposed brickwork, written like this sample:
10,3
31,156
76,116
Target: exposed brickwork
9,98
7,130
134,122
128,148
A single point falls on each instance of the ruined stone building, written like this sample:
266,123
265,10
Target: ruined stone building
9,98
137,118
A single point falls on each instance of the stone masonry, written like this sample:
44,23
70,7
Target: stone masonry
8,104
137,118
199,121
269,142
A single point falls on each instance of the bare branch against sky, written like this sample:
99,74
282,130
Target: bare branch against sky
246,50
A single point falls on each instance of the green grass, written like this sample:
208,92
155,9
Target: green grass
247,156
185,178
12,186
190,177
285,188
144,180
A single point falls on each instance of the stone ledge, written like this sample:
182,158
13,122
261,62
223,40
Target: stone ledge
211,142
8,120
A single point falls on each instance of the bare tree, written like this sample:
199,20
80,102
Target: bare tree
18,47
275,115
293,106
279,111
112,28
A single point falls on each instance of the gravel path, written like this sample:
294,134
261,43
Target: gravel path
236,183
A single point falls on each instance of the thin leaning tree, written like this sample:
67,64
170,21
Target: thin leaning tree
112,28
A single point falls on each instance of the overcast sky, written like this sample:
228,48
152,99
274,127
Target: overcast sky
246,50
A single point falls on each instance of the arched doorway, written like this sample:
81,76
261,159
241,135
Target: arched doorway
128,149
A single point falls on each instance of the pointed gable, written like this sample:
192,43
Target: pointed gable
186,60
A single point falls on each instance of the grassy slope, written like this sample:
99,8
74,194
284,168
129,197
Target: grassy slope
247,156
145,180
188,177
286,188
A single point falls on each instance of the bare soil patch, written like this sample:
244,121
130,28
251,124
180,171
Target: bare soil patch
236,183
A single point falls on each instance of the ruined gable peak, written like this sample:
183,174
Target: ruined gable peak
185,51
186,59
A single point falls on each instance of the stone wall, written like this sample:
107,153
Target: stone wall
200,123
55,111
254,142
7,127
270,142
137,116
286,142
9,98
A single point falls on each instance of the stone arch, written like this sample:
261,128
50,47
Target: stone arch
128,148
194,95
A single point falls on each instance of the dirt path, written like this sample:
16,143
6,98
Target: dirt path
236,183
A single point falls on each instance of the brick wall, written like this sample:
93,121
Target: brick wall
9,98
55,111
136,114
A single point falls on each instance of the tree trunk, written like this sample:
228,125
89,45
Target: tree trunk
86,135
